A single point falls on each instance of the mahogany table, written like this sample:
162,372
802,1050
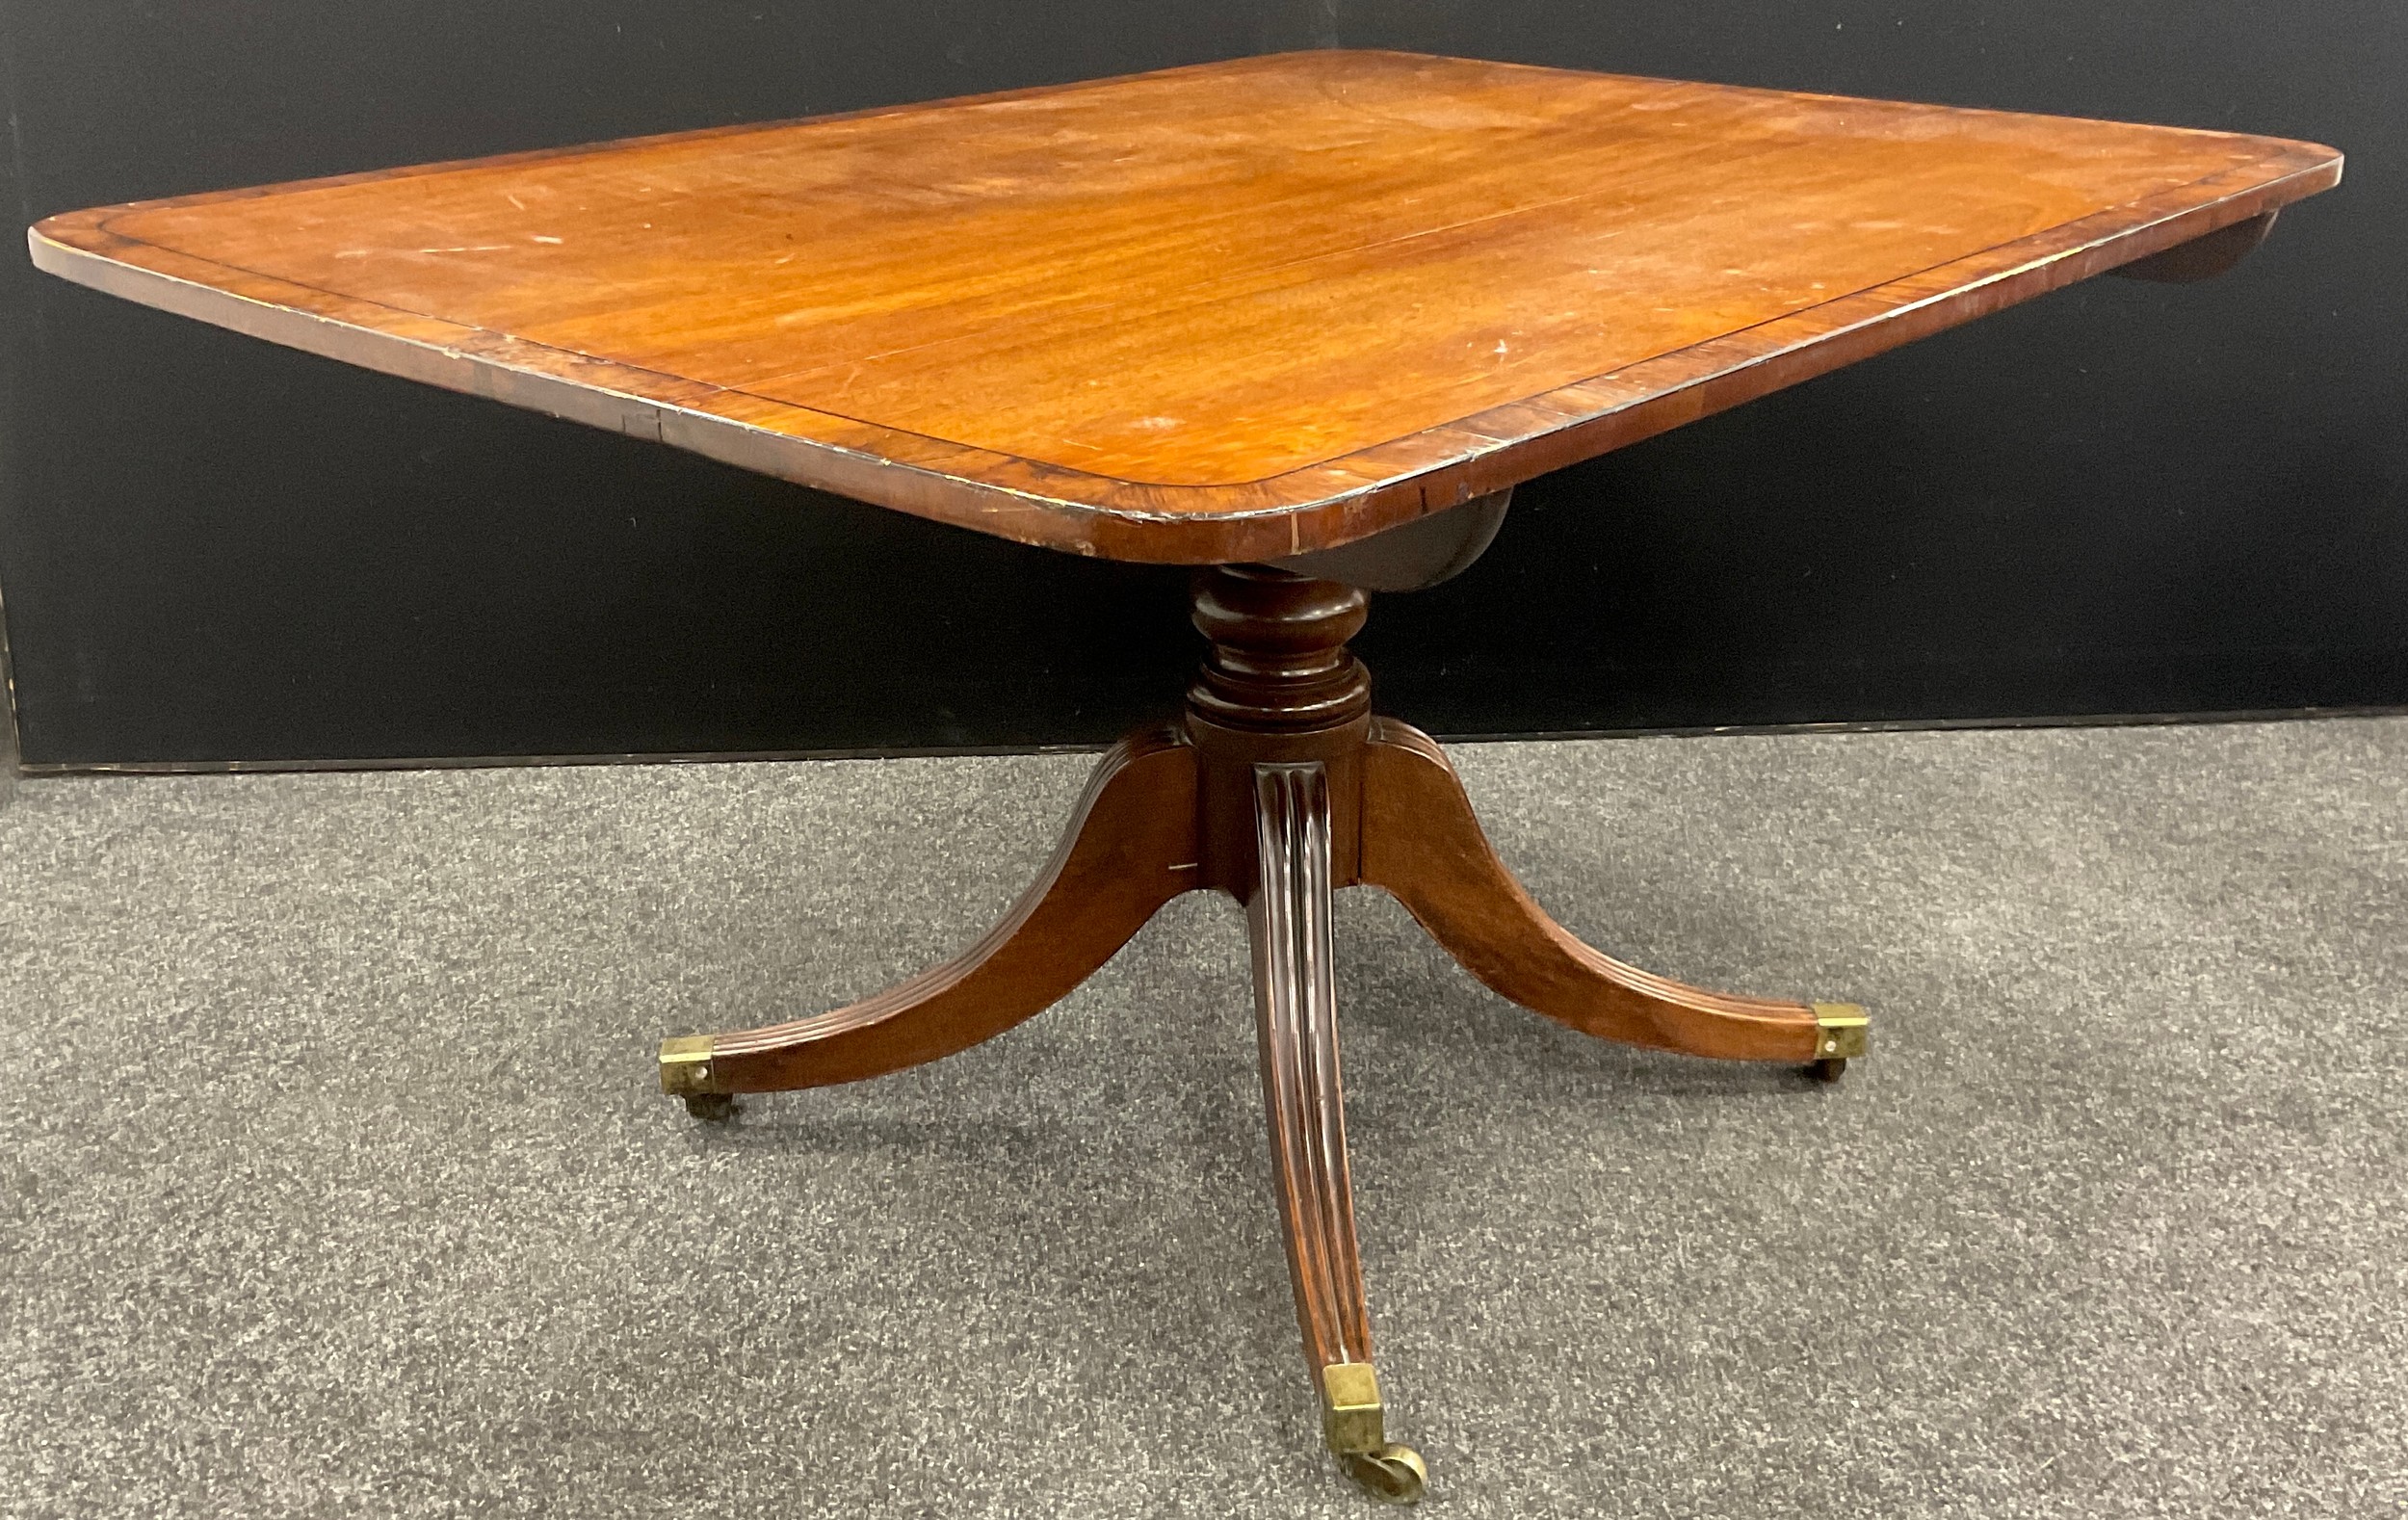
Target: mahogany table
1302,322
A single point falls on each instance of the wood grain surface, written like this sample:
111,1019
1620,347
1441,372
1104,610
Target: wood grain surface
1424,844
1221,313
1130,848
1295,1000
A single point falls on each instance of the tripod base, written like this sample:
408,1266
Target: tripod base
1279,788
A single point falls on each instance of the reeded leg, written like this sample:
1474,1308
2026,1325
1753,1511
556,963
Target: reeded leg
1130,848
1296,1001
1421,842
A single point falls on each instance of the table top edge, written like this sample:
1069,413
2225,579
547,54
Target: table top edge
1320,505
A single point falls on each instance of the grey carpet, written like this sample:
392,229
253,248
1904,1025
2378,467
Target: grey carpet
333,1181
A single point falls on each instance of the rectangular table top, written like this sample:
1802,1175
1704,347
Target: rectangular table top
1228,312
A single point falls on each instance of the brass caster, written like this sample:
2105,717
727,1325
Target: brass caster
685,1073
711,1108
1392,1474
1840,1033
1351,1419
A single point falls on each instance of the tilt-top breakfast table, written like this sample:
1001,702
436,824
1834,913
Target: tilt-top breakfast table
1302,322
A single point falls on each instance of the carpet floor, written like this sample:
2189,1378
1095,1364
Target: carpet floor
333,1180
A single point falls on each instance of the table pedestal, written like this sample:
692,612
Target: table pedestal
1277,786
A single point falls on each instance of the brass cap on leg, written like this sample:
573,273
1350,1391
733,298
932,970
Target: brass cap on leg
1840,1031
686,1066
1354,1421
1353,1417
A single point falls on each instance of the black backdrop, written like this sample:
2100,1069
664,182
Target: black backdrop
2124,499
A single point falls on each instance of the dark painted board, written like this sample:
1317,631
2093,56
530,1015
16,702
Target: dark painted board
2124,498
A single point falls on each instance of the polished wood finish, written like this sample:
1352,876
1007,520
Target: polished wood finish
1295,1000
1296,1007
1130,848
1426,552
1422,843
2203,258
1279,788
1251,311
1233,312
1182,806
1277,685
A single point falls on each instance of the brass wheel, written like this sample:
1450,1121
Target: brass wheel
1392,1474
711,1108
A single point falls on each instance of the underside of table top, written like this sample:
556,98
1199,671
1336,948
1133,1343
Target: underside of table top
1231,312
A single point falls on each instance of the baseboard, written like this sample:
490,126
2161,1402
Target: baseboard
9,767
732,758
